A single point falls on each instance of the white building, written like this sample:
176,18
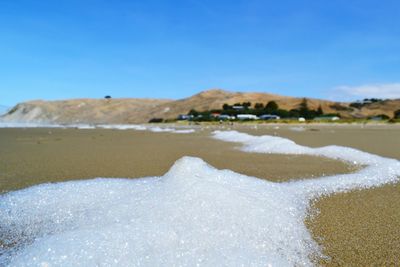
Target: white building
246,117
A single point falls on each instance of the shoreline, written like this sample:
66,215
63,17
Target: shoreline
29,156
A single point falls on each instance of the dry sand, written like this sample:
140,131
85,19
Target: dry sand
359,228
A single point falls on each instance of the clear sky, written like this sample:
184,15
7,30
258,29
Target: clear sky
342,49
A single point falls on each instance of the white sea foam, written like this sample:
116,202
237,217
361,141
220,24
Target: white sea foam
156,129
45,125
193,215
137,127
80,126
378,170
28,125
170,130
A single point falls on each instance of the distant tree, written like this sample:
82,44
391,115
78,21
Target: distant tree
246,105
206,116
304,104
283,113
226,107
357,105
397,114
107,97
320,111
193,112
304,111
373,100
259,106
271,106
295,113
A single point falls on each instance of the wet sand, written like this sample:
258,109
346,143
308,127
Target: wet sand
383,140
359,228
34,156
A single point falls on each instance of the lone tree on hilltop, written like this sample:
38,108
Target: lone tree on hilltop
107,97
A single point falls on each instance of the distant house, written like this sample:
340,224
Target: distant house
238,107
246,117
301,119
327,118
183,117
225,117
376,118
269,117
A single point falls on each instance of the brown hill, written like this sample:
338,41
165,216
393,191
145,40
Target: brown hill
141,110
83,111
215,98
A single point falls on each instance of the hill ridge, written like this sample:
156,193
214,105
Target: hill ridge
141,110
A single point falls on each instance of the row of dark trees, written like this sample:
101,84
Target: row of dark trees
260,109
365,102
269,108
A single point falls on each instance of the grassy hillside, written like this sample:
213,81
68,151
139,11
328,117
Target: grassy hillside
130,110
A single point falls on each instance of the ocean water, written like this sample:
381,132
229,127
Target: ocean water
194,215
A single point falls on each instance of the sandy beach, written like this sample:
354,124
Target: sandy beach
33,156
356,228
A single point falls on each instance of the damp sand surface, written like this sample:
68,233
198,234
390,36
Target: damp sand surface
34,156
358,228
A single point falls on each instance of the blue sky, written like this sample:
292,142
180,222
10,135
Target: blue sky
172,49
